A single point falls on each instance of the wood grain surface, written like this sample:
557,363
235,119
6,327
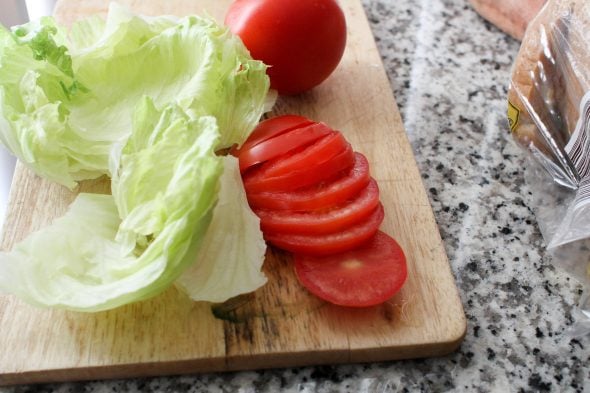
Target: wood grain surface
279,325
510,16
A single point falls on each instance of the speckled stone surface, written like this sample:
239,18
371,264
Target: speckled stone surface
449,70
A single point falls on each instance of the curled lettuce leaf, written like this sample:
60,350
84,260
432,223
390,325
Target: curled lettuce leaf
67,98
111,250
230,260
147,101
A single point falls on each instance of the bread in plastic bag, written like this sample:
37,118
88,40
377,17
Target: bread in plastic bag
549,117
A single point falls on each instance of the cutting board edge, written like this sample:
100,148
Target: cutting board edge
114,371
235,363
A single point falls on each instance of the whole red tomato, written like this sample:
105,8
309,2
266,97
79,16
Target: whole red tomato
301,40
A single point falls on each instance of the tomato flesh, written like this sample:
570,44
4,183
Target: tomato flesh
319,196
331,243
301,40
366,276
331,220
324,149
272,127
257,180
282,144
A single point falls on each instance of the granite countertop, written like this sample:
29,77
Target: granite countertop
449,71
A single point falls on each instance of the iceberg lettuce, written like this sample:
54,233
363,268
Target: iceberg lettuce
67,97
230,259
147,101
110,250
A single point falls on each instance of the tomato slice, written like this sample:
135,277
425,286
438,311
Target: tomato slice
324,149
318,196
332,220
331,243
257,179
282,144
366,276
272,127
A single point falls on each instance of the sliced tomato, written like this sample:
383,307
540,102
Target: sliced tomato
257,180
319,196
332,220
282,144
321,151
366,276
272,127
331,243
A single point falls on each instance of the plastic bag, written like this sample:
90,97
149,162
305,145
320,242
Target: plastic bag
549,117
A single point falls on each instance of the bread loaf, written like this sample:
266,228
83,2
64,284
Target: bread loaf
550,76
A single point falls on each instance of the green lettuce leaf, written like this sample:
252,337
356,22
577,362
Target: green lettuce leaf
147,101
230,260
67,98
111,250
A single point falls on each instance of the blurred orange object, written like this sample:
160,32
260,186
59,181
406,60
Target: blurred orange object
510,16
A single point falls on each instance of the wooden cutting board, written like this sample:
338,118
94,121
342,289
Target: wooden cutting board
279,325
510,16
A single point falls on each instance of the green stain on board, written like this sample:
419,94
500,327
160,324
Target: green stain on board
244,308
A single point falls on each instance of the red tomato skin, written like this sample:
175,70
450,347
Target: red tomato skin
336,219
301,40
333,243
364,277
318,196
256,180
272,127
282,144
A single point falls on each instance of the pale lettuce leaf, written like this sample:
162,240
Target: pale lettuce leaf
146,101
230,259
67,98
107,251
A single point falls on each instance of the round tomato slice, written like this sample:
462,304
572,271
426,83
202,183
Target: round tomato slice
272,127
366,276
322,150
257,179
282,144
318,196
332,220
331,243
